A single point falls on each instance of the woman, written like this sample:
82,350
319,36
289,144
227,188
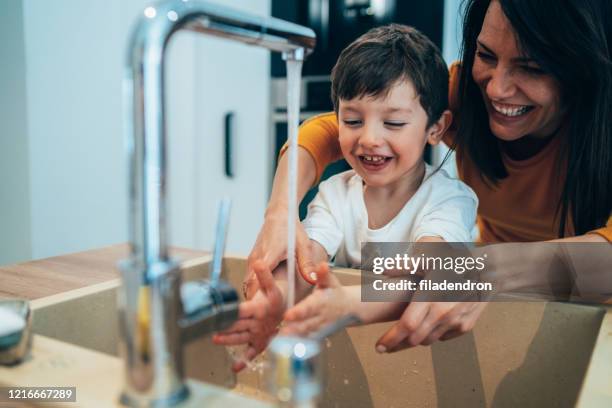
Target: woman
532,99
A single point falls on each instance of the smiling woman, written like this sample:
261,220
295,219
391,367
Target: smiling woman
534,108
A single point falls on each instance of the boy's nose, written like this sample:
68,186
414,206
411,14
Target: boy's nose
370,139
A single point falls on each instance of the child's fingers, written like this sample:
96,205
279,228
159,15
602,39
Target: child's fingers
301,311
264,276
240,326
238,366
249,355
305,327
246,310
252,309
232,339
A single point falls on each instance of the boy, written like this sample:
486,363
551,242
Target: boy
390,93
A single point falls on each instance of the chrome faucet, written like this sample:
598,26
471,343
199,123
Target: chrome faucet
158,313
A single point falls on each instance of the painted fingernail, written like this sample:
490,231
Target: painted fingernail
381,349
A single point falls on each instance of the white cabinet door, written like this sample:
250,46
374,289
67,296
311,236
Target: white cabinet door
208,78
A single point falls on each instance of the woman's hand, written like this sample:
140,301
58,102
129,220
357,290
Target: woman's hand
271,249
258,318
424,323
271,244
327,303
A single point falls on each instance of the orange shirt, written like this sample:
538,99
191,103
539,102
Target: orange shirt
522,207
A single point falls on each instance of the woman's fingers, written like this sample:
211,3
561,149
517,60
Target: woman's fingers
438,314
410,321
436,334
303,251
467,321
323,275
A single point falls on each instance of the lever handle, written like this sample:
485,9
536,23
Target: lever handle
220,238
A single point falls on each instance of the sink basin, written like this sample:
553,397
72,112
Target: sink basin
519,354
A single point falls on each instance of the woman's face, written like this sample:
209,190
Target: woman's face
520,98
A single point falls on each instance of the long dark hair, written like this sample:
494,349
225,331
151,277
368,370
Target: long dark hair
572,41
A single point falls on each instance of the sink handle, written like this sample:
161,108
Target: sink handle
220,239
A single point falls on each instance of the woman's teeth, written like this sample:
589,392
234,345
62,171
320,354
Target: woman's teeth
511,112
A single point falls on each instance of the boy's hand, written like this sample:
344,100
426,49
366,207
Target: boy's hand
258,318
328,302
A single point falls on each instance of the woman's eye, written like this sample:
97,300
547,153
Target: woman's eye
395,124
350,122
485,57
532,70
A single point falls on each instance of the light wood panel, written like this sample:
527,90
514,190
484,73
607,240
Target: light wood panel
50,276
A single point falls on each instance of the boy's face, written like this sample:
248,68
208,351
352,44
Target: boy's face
383,138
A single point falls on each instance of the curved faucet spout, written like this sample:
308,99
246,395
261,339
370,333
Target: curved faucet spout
144,93
153,313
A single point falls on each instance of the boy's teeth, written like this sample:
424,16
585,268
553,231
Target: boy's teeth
511,112
373,158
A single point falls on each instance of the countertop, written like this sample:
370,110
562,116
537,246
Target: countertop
45,277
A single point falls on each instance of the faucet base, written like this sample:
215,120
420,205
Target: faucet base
136,401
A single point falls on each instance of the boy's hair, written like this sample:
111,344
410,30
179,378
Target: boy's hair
377,60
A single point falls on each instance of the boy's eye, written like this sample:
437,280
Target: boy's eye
395,124
352,122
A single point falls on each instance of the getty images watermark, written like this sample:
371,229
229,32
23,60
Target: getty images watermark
465,272
436,271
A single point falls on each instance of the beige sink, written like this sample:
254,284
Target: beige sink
519,354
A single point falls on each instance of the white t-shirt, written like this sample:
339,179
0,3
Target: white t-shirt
337,217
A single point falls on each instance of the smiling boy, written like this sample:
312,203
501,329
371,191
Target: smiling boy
390,93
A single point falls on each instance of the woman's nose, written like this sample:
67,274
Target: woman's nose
501,85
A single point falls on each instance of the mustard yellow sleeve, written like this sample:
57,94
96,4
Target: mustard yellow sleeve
319,136
606,231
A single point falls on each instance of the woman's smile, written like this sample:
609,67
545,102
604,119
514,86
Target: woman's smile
509,115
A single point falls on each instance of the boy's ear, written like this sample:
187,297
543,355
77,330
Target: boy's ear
437,130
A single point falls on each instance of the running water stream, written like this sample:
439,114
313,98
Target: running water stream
294,75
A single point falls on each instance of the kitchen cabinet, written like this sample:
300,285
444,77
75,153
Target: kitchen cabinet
211,79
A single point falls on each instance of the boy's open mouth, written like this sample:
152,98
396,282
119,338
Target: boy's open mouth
374,162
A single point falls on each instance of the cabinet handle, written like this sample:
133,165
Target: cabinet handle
229,122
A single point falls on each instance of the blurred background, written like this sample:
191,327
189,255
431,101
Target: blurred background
63,163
